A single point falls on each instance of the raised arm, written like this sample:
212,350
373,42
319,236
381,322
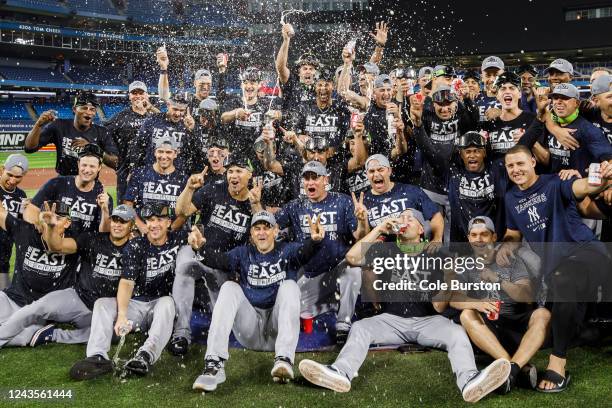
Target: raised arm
184,204
33,138
163,86
283,54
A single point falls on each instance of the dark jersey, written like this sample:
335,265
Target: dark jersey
294,93
61,133
594,116
502,134
147,185
37,271
123,128
100,269
11,201
375,123
152,267
226,220
331,122
84,211
484,103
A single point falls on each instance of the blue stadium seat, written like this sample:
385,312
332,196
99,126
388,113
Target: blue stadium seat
92,6
64,110
111,110
40,5
31,74
98,76
13,111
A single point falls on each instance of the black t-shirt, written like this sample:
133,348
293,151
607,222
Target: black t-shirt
356,182
147,185
226,220
101,267
152,267
37,271
594,116
123,128
84,211
332,122
274,191
61,133
294,93
375,123
11,201
501,133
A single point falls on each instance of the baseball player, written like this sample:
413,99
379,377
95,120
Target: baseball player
84,193
38,271
261,302
409,320
98,277
143,299
11,174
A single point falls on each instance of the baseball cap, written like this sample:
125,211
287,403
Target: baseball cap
601,84
471,139
527,68
444,70
567,90
443,93
236,160
481,221
85,98
369,68
307,59
471,74
201,74
492,62
381,159
382,80
325,74
425,71
251,74
166,140
316,143
314,167
418,215
125,212
16,160
561,65
219,142
263,216
137,85
180,98
154,209
208,104
508,77
91,149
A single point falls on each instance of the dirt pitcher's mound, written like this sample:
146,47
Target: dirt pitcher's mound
35,178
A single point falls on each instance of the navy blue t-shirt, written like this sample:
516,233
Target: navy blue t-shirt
61,133
484,102
397,200
473,194
594,148
37,271
594,116
101,267
546,213
501,133
337,217
147,185
152,267
84,211
226,220
333,121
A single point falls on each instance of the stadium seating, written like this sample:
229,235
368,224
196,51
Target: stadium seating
64,110
31,74
40,5
111,109
93,7
13,111
98,76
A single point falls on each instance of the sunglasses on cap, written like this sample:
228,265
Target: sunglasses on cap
260,146
443,96
154,210
469,139
220,143
444,71
316,144
116,218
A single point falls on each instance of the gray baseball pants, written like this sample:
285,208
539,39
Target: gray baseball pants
155,317
276,329
430,331
60,306
188,269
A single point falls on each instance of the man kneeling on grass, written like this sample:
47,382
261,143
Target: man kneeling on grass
262,303
410,320
143,299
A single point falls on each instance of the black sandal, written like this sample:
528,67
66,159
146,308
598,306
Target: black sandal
557,379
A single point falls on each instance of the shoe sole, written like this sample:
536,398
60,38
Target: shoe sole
81,375
38,333
316,374
136,370
282,374
496,374
202,386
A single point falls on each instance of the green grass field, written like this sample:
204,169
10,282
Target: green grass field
39,160
387,379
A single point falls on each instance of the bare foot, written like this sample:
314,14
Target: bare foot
557,365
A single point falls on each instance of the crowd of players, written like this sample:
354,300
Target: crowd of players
272,202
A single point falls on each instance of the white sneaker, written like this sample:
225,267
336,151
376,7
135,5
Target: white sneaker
325,376
486,380
282,372
213,374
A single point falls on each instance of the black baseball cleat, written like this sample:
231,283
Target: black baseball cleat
178,346
139,364
91,367
44,335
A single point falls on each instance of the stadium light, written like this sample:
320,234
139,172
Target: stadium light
28,93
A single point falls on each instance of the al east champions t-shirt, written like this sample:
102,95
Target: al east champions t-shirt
152,267
37,271
294,93
61,133
331,122
84,211
484,103
226,220
395,201
337,217
501,134
147,185
123,128
101,267
546,213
